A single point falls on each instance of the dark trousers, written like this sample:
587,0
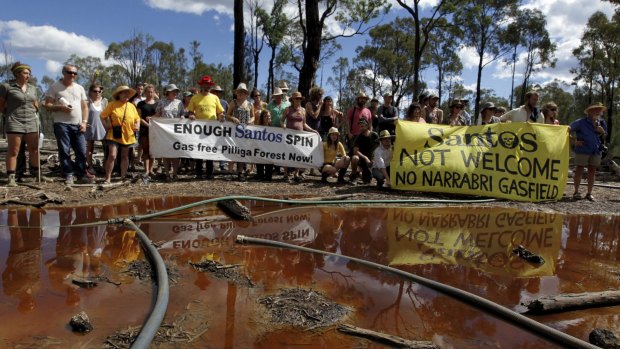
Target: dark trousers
264,171
209,169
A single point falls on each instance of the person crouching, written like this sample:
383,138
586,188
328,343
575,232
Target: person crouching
335,157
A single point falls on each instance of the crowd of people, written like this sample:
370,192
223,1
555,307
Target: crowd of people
358,141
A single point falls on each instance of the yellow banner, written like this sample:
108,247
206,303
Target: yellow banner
517,161
480,238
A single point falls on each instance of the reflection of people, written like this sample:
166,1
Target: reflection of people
587,141
21,278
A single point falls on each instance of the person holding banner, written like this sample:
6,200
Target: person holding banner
171,108
487,114
550,113
527,112
335,157
381,160
241,112
456,116
414,113
205,106
264,171
295,119
586,140
121,120
363,146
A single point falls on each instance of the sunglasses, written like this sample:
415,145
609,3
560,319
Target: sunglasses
96,91
553,109
71,72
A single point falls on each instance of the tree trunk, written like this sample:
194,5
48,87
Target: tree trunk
474,118
270,78
312,53
238,66
417,55
256,58
610,111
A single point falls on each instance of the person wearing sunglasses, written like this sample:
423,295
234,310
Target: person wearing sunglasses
95,131
550,112
66,100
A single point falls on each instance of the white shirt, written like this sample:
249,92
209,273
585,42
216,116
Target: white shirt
381,157
521,115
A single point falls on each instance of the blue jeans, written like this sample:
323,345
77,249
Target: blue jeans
69,137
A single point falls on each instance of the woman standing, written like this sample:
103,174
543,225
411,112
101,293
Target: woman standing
94,129
171,108
257,103
19,104
330,117
146,109
241,111
414,113
295,118
313,108
456,116
121,120
264,171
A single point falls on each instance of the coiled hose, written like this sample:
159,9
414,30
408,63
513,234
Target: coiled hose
504,313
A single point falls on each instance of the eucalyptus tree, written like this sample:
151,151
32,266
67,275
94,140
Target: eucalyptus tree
239,43
442,53
274,25
338,79
132,56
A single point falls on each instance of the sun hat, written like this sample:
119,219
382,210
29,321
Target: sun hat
170,88
333,130
385,134
187,94
217,88
487,105
123,88
456,103
598,105
277,92
206,80
284,86
362,95
296,95
242,87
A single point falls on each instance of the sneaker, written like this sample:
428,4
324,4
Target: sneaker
589,197
11,182
69,180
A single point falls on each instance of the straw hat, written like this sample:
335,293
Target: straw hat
456,103
487,105
361,95
598,105
217,88
171,88
296,95
284,86
123,88
277,92
333,130
385,134
242,87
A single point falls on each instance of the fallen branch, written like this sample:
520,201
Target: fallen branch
614,167
571,301
385,338
235,210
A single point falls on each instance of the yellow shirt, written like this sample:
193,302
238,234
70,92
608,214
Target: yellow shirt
205,107
330,154
115,112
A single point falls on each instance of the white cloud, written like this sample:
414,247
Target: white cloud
469,57
197,7
47,42
53,67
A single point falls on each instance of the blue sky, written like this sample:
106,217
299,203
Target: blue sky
45,33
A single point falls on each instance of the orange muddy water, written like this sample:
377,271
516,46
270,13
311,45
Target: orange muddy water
465,247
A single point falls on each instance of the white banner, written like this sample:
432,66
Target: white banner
214,140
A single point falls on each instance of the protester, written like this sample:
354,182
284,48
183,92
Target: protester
284,88
121,120
277,106
527,112
381,160
257,102
499,111
387,114
67,101
586,136
313,107
205,106
550,113
264,171
19,106
146,110
138,95
94,129
330,117
456,117
241,112
434,115
219,92
355,114
361,154
335,157
414,113
487,114
295,119
170,108
187,96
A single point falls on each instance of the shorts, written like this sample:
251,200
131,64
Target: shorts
588,160
116,144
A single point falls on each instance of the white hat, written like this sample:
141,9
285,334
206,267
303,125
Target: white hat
277,92
242,87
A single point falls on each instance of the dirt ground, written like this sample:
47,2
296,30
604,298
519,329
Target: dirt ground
55,193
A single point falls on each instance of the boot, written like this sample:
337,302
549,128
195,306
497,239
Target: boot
341,174
11,182
324,177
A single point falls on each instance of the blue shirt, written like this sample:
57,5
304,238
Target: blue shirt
585,131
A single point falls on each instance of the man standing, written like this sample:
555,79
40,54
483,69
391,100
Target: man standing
277,106
138,97
586,139
355,115
527,112
387,114
205,106
67,102
433,114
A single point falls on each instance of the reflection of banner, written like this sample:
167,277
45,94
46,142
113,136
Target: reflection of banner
214,140
518,161
297,227
482,238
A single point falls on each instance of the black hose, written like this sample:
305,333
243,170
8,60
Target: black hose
155,318
504,313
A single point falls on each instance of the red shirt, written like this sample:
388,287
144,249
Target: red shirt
354,115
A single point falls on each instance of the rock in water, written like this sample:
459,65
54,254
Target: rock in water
81,323
604,338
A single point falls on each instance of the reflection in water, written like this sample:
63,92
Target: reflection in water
468,248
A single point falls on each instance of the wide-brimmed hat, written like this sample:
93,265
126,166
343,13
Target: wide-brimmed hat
206,80
217,88
170,88
123,88
187,94
296,95
362,95
388,94
333,130
433,95
423,95
283,86
277,92
242,87
456,103
487,105
385,134
598,105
